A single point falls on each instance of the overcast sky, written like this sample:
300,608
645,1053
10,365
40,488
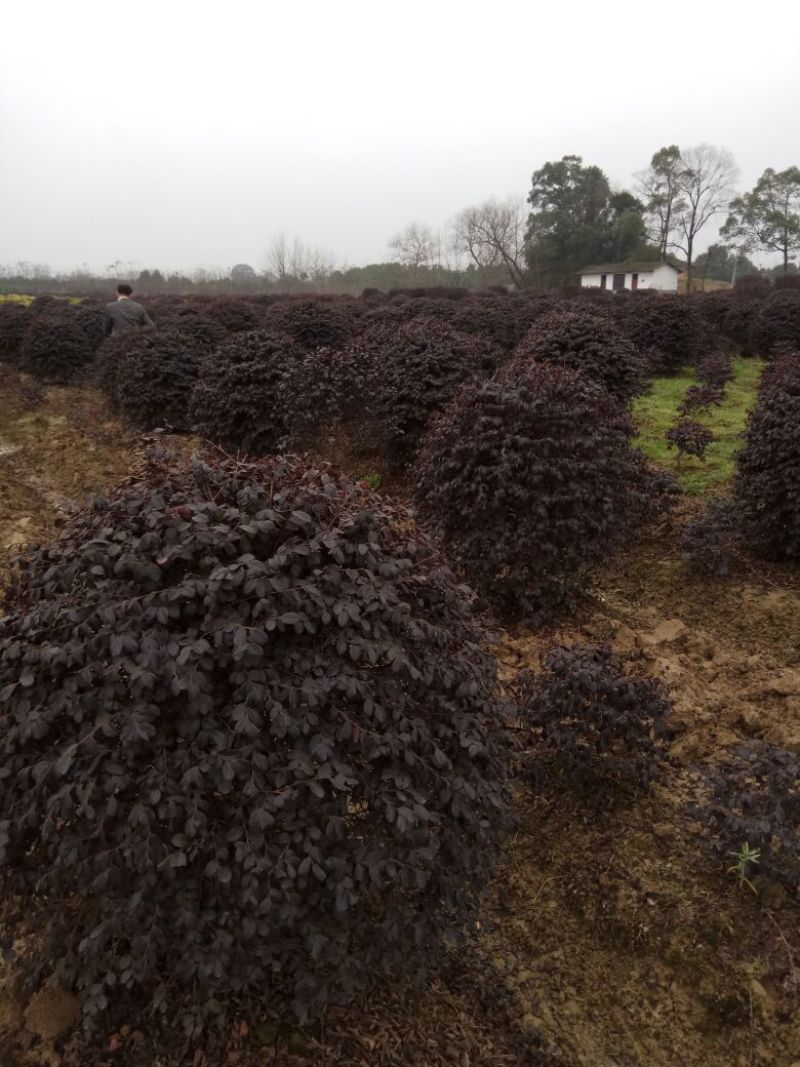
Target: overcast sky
179,134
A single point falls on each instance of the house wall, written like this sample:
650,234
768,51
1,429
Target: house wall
663,278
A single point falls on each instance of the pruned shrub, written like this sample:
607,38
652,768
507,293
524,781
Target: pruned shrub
663,325
777,323
55,348
422,366
588,342
236,401
767,482
531,481
787,281
711,541
310,323
234,314
597,723
89,317
250,742
715,370
492,318
14,320
201,333
697,397
752,287
153,376
690,438
755,801
329,402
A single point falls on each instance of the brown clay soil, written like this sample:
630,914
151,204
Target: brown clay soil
613,936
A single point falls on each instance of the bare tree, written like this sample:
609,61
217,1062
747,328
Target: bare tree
705,184
416,246
492,234
297,262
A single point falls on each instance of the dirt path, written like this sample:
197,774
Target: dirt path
58,446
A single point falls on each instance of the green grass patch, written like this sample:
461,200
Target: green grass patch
658,412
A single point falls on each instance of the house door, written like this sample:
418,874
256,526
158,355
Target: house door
619,281
634,282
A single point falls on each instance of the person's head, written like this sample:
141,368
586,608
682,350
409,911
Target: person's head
123,289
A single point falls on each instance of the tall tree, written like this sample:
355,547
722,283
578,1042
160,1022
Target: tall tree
705,183
660,187
767,219
719,261
492,234
576,219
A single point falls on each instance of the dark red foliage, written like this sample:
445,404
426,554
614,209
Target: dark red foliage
153,376
89,317
663,325
310,323
767,482
236,402
697,397
711,541
587,342
251,744
690,438
715,370
14,320
530,479
333,392
233,313
599,724
777,323
787,281
756,801
494,318
752,287
55,348
422,367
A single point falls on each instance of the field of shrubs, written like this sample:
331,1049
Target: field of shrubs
403,679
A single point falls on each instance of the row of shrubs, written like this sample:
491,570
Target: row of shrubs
254,742
54,339
479,431
762,514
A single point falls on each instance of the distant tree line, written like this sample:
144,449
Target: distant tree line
574,217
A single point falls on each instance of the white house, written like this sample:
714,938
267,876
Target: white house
633,276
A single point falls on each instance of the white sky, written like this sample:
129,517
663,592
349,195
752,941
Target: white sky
183,134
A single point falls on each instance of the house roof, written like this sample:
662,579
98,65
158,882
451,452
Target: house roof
620,268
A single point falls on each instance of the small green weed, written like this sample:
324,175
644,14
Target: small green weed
744,858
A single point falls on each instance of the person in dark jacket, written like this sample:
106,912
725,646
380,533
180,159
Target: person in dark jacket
125,314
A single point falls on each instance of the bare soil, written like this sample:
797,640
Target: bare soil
613,934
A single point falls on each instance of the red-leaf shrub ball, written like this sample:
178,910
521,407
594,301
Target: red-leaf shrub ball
311,322
422,367
251,742
777,323
664,325
14,320
530,479
152,377
582,340
690,438
236,402
233,313
600,726
55,348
